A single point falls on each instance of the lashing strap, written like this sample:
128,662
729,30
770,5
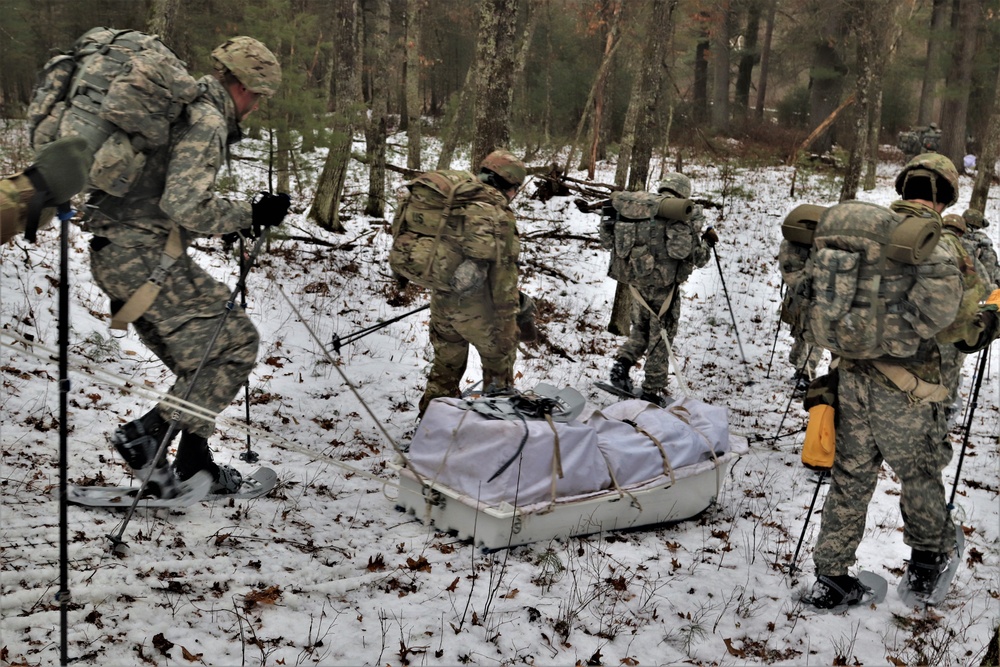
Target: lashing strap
143,297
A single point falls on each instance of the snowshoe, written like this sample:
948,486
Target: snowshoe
138,440
836,594
929,574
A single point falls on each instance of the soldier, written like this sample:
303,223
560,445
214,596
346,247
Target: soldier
803,357
140,241
483,306
28,199
978,244
662,308
878,420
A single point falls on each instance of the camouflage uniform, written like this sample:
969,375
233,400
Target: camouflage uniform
803,357
485,311
177,187
645,337
877,421
485,317
978,244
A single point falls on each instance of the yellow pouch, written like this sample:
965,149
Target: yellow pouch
820,444
994,298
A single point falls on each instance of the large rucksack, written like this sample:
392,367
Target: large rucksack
652,237
446,217
876,283
121,90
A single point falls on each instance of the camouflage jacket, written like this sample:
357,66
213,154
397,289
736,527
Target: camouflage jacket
177,185
978,244
503,275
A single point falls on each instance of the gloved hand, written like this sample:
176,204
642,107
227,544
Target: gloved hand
64,166
527,332
469,276
710,236
269,210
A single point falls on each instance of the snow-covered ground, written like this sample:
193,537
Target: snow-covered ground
325,570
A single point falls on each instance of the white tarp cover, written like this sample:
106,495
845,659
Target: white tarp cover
462,449
689,432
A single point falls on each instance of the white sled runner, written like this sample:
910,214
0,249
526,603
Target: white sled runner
497,482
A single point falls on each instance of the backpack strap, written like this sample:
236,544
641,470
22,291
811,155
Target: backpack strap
143,297
918,390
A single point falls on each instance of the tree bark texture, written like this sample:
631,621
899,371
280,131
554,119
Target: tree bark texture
414,105
954,110
452,127
163,19
765,60
932,66
496,50
749,57
722,21
651,81
826,77
347,105
986,160
376,20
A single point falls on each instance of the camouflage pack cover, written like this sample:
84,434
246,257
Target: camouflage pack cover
121,90
857,301
648,249
447,216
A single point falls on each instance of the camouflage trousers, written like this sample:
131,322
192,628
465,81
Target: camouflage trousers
179,327
645,339
457,323
876,422
805,357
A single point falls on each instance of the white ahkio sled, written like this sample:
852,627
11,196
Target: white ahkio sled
511,470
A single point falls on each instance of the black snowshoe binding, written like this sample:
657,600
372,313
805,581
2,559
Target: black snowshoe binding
619,376
228,481
835,593
924,576
138,442
656,398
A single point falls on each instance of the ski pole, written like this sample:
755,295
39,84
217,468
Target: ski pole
116,540
63,595
819,482
249,455
732,315
339,341
980,372
777,331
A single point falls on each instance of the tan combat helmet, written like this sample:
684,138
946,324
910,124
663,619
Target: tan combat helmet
252,63
505,165
676,184
974,218
936,167
956,222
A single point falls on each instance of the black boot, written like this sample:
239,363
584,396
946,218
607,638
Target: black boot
830,592
193,456
924,571
619,375
138,442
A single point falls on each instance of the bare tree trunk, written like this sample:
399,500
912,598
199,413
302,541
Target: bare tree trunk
749,57
986,160
163,19
652,74
765,60
628,131
414,107
932,68
720,66
376,64
700,85
875,21
496,47
600,83
955,109
620,322
826,77
346,97
452,128
874,126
